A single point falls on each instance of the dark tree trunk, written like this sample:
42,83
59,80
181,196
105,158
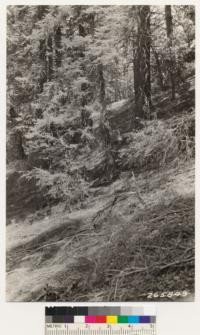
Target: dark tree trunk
147,53
91,19
159,69
142,68
22,154
46,61
171,60
49,58
169,23
101,85
42,57
81,30
58,46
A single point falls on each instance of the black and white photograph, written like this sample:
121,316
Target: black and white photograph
100,153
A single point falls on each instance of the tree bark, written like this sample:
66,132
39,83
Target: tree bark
101,85
142,66
49,58
159,69
171,61
42,57
58,46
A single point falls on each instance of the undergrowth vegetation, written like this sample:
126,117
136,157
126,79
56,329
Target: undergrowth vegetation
100,152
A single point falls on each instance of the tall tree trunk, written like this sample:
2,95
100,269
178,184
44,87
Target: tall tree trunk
42,58
159,69
46,61
147,46
101,85
171,61
49,58
91,19
142,66
58,46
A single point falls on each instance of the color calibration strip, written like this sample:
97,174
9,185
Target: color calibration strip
148,309
81,320
111,319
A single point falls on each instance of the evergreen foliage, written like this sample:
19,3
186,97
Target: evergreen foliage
100,152
66,64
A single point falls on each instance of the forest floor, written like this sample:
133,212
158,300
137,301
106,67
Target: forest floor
145,248
134,237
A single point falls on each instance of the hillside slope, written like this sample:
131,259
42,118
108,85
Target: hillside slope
133,235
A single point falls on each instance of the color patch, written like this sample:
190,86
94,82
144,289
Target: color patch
122,319
111,319
48,318
60,310
58,318
69,319
100,319
133,319
105,310
145,319
153,319
79,319
90,319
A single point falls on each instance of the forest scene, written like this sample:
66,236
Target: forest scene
100,153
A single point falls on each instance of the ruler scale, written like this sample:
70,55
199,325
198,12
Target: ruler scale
113,320
120,330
